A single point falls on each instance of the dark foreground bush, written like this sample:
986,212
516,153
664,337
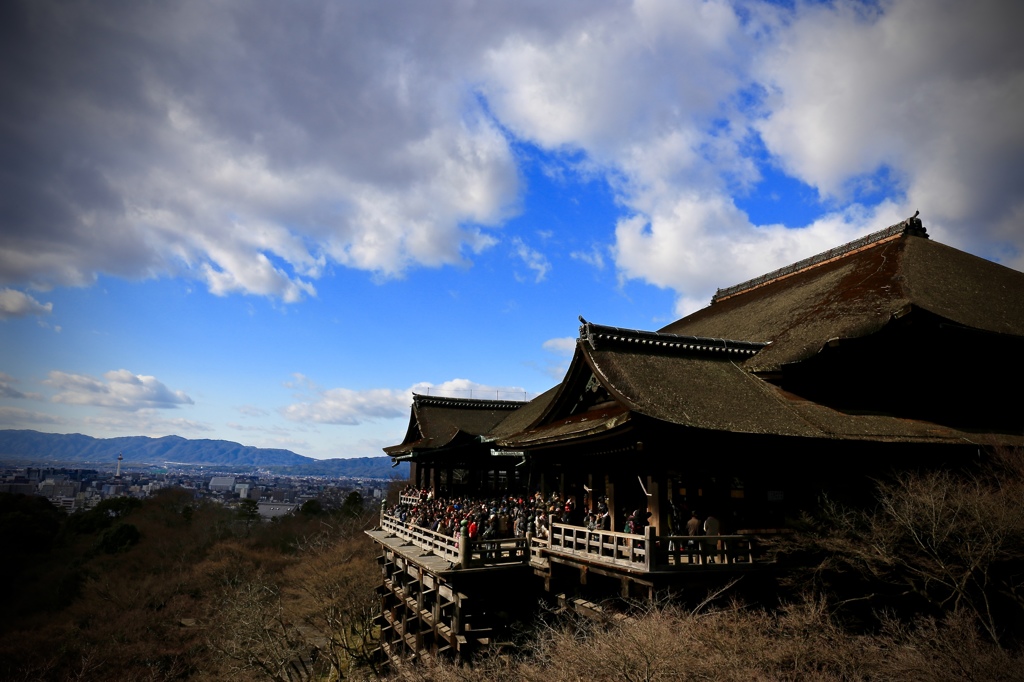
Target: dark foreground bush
801,642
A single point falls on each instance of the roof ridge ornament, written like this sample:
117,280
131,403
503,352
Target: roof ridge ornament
911,226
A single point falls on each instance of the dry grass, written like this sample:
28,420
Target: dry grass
800,642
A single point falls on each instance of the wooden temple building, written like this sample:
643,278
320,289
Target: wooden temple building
890,353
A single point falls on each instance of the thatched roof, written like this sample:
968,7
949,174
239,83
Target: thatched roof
704,390
858,294
437,422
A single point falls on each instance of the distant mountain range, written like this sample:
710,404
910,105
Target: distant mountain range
76,449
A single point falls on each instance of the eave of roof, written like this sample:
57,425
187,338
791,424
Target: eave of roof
420,400
661,342
586,426
452,438
715,394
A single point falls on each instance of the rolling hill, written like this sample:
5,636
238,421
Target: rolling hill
76,449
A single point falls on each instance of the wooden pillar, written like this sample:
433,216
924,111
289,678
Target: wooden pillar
464,553
609,488
650,560
654,504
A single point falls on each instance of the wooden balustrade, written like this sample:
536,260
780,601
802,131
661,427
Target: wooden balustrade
478,552
648,552
684,550
424,538
499,551
609,547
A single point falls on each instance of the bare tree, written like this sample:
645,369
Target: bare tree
955,541
253,632
338,578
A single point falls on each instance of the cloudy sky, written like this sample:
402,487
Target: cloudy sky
271,222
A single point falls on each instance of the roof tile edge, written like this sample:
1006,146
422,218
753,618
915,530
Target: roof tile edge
448,401
911,226
594,333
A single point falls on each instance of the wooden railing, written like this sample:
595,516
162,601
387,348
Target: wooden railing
501,551
411,500
463,551
675,550
649,552
442,545
622,549
643,553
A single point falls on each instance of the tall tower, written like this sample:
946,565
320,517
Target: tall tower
120,457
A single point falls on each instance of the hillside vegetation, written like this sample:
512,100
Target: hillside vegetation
171,589
926,585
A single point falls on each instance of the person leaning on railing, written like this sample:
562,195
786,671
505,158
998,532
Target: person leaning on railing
712,528
693,528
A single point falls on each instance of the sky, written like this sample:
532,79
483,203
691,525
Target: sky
273,222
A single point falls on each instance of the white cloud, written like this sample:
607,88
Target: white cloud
16,417
8,390
119,389
931,89
464,388
277,431
148,422
349,407
690,246
532,258
253,146
246,145
659,103
252,411
562,346
14,303
594,257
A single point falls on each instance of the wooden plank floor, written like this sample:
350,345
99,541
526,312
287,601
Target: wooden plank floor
427,560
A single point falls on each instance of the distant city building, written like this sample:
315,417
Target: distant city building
68,504
222,483
57,487
18,488
269,510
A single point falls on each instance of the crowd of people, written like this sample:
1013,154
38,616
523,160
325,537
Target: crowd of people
510,515
496,517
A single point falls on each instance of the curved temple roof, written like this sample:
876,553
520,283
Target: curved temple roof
858,294
437,422
707,370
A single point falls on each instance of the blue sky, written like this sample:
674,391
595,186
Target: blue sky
271,223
